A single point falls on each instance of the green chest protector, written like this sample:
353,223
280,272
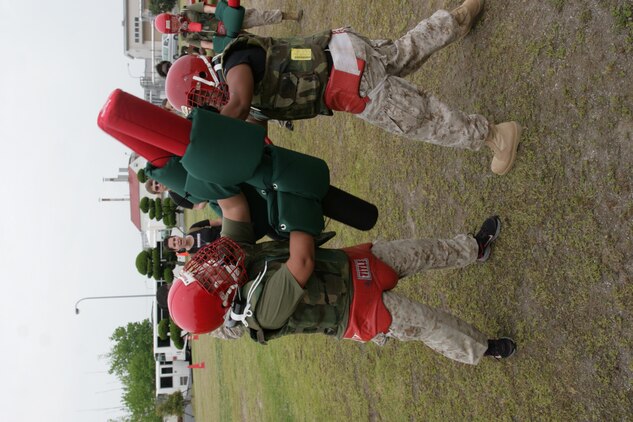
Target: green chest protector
225,152
175,177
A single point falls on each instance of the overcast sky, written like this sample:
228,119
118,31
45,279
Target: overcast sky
58,242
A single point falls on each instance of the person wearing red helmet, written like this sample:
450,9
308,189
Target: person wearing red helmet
278,289
212,27
339,70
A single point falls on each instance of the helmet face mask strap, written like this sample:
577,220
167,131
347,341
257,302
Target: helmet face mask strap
211,70
246,311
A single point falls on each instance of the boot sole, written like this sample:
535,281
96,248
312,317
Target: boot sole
517,136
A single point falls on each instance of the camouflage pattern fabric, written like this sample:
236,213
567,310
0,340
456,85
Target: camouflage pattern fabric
252,19
412,256
226,333
208,21
325,305
256,17
414,321
439,330
296,75
402,108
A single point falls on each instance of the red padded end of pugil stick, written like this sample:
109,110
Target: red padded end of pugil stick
145,128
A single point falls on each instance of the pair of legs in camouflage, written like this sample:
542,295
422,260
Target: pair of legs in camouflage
412,320
402,108
256,17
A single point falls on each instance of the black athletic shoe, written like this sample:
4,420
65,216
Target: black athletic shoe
501,348
486,235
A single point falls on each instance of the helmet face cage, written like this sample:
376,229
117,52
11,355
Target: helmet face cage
218,268
193,81
210,89
202,95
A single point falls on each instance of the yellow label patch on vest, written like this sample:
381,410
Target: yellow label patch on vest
301,54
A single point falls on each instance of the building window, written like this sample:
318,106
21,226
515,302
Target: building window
184,380
137,29
167,370
166,382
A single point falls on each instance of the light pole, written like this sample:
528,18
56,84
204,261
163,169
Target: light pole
108,297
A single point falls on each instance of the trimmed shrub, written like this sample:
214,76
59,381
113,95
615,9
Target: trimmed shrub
141,176
168,275
143,262
174,404
169,212
169,259
144,204
174,333
158,205
155,254
157,268
169,220
169,204
163,329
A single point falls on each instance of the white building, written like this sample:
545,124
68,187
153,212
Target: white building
142,41
172,372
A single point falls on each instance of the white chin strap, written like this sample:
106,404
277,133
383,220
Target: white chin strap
247,309
215,82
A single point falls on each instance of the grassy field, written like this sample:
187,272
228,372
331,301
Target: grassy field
560,280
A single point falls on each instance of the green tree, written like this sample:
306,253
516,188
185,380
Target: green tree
169,212
144,204
157,267
144,263
141,176
168,275
163,329
152,209
174,333
160,6
158,209
173,404
131,360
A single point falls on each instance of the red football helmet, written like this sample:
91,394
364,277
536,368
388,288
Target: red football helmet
192,81
167,23
200,298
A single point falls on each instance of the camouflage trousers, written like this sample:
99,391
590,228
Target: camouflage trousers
412,320
256,17
402,108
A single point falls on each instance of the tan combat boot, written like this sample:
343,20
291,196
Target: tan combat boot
503,140
466,14
286,16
